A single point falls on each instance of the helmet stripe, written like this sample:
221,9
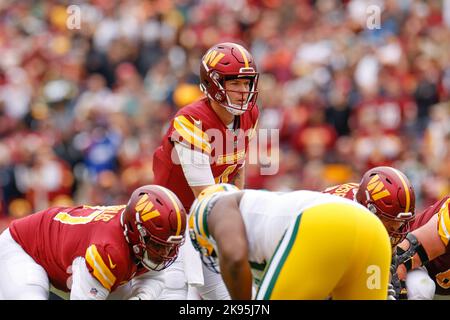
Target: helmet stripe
177,208
241,50
202,218
405,186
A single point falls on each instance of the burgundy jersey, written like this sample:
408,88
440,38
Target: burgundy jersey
346,190
438,268
56,236
198,127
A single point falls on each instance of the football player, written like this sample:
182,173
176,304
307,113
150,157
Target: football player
299,245
92,251
424,256
387,193
207,142
183,162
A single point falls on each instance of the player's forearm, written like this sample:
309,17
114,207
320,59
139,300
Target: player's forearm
227,228
239,179
196,168
428,236
238,278
429,240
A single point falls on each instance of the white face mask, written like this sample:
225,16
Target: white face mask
150,265
237,109
235,112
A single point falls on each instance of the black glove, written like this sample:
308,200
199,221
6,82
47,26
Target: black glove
397,288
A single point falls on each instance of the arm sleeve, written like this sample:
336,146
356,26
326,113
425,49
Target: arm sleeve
84,285
195,164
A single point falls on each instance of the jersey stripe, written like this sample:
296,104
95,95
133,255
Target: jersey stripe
100,270
202,218
278,259
444,222
192,134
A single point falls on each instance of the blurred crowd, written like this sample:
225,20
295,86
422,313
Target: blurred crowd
83,109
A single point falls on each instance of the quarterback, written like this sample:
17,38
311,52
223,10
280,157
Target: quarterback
206,143
424,256
92,251
295,245
387,193
189,158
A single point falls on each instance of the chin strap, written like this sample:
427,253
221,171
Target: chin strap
405,257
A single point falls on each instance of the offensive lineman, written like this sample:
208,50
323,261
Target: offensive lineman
388,194
92,251
424,256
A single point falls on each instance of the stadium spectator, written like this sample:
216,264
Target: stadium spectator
125,67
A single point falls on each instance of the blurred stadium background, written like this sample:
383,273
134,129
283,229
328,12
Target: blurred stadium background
82,110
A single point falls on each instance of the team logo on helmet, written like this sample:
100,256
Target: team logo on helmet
144,206
377,189
387,192
213,57
226,61
154,222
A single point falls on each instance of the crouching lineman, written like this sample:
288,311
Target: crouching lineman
424,256
299,245
388,194
91,251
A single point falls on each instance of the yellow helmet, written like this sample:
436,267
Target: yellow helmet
198,229
221,187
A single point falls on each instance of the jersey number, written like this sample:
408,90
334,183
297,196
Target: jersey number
101,213
223,178
443,279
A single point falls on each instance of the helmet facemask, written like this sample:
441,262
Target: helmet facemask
388,194
403,220
154,223
157,254
221,95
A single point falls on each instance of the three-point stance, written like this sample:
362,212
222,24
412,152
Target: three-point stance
299,245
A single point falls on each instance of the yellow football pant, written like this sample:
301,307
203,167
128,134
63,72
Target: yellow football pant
333,249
